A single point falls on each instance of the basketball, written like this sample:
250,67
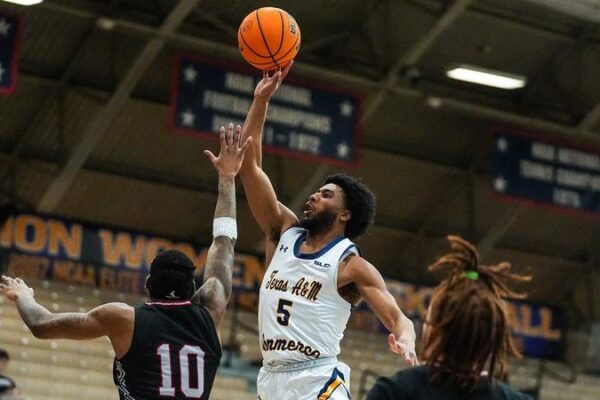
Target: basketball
269,38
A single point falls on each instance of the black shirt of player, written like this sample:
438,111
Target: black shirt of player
414,384
174,353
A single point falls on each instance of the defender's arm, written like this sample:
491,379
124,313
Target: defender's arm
105,320
216,289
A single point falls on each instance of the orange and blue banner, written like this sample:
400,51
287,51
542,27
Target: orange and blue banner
43,247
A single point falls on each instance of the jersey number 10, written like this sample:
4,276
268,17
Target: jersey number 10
185,354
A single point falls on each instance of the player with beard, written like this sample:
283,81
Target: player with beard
315,275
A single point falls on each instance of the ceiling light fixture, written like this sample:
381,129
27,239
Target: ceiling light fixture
24,2
487,77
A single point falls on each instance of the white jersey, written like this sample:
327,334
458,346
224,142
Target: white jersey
301,315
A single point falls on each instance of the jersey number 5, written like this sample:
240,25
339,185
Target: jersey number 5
186,354
283,314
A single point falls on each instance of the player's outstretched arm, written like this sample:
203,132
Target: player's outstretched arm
371,286
272,216
255,120
110,319
216,289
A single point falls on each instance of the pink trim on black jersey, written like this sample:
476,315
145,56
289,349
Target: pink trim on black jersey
169,303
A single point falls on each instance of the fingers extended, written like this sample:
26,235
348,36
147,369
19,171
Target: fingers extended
222,138
237,137
210,155
230,134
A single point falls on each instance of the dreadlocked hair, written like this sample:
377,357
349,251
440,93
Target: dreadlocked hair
468,325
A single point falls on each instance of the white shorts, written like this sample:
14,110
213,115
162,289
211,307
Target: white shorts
330,381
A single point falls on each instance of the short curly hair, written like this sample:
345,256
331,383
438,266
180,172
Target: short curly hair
359,200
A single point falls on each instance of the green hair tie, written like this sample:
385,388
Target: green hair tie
472,275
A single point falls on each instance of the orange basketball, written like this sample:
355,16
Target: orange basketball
269,38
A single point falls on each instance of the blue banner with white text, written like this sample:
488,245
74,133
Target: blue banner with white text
304,121
546,172
10,26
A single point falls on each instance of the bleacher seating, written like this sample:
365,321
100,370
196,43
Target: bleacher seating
58,369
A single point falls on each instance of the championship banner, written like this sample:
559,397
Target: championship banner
305,121
40,247
10,27
546,173
537,329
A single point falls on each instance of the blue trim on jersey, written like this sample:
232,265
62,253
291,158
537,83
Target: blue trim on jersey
312,256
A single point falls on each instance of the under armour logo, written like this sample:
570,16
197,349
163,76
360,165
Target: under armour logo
172,295
283,248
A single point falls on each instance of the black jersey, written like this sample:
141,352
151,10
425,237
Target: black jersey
415,384
174,353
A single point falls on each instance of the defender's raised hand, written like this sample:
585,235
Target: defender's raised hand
231,154
270,83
